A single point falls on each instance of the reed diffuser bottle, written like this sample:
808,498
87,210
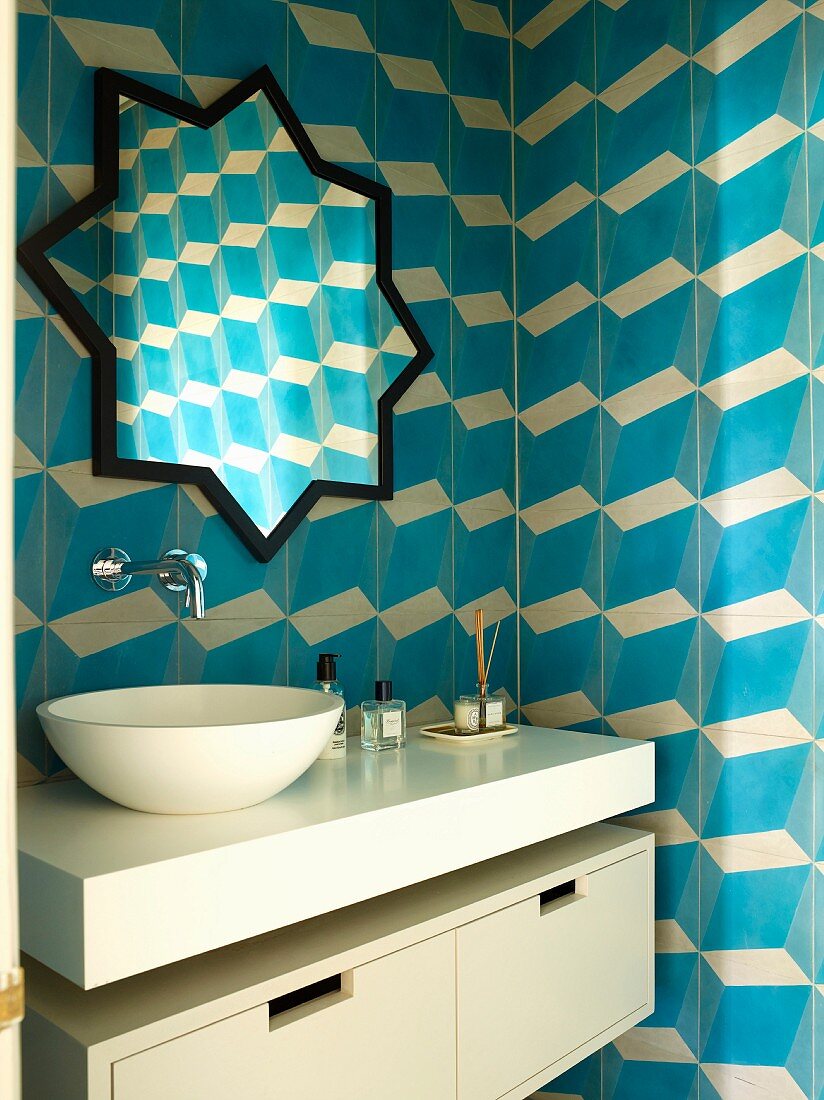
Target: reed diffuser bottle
481,711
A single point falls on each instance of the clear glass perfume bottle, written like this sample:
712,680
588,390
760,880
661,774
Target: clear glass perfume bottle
383,720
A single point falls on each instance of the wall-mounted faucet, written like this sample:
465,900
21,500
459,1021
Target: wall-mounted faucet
113,569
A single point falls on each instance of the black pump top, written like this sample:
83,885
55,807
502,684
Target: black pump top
383,690
327,667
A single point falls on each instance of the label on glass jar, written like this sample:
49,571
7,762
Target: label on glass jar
391,725
494,712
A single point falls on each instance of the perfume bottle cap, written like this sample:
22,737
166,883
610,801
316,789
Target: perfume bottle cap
327,667
383,690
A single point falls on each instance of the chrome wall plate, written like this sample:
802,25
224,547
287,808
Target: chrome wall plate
106,569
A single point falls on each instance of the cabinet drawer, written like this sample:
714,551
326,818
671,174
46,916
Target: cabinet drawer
389,1030
542,977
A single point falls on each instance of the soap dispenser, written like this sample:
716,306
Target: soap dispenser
327,681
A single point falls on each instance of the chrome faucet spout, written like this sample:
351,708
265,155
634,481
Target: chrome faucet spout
112,570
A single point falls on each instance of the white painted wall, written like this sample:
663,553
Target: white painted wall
9,1038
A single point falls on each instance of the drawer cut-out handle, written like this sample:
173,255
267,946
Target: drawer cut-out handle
575,889
303,996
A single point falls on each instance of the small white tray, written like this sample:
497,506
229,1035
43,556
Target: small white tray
442,733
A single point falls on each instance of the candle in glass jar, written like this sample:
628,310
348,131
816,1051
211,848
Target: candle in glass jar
467,714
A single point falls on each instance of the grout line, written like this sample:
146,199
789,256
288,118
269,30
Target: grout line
599,307
515,360
450,212
813,595
699,573
287,599
599,327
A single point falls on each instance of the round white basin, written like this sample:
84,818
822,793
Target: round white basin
196,749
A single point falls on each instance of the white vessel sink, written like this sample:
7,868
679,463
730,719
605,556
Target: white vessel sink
196,749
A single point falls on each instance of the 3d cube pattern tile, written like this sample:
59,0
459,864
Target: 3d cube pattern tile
667,298
668,207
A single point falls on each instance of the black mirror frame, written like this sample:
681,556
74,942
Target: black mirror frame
32,254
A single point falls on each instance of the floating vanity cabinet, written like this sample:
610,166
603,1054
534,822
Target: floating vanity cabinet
481,984
350,1041
538,979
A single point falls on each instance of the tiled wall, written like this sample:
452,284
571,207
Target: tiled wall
421,96
668,175
669,170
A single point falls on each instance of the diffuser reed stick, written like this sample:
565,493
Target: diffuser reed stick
479,649
491,652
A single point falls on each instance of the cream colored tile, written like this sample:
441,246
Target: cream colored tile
412,74
547,21
213,632
643,78
78,179
566,507
558,308
351,276
649,504
653,1044
669,826
351,441
100,44
335,29
554,113
756,615
416,613
480,114
496,606
332,616
561,407
293,292
350,357
488,308
764,966
648,287
481,18
749,149
651,613
421,284
559,611
484,408
243,235
546,217
426,392
339,143
413,178
417,502
654,720
746,35
752,1082
561,711
296,449
294,215
755,851
753,379
671,939
653,177
85,639
481,209
775,489
752,263
649,395
483,510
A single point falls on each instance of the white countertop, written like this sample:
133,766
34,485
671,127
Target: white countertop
107,892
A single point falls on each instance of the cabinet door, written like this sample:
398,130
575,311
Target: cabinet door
540,978
388,1031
